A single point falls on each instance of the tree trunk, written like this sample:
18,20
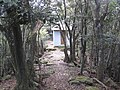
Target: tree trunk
30,62
23,82
83,56
66,59
73,47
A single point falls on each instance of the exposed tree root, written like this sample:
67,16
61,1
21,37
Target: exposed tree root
98,81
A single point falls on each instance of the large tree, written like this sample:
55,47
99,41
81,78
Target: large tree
15,15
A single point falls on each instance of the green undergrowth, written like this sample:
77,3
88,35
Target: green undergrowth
91,88
81,79
47,63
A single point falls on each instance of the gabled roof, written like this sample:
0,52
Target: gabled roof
56,28
63,27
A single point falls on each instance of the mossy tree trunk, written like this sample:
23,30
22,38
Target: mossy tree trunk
23,82
14,37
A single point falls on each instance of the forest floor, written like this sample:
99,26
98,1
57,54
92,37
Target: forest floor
57,74
8,84
60,71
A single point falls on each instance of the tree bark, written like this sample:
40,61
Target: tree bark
21,75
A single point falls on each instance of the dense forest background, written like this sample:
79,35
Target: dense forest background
94,36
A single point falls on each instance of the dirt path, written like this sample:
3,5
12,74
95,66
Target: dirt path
8,84
62,72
